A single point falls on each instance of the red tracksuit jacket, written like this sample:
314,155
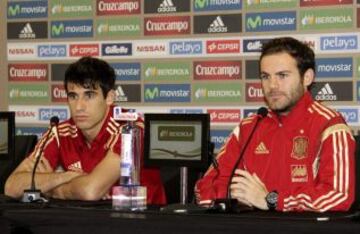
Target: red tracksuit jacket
306,156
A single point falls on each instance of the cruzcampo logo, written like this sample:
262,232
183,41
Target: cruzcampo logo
271,4
71,8
253,23
129,26
179,71
14,10
229,92
29,93
325,19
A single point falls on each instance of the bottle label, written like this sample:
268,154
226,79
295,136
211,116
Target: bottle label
126,154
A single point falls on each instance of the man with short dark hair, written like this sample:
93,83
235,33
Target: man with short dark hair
87,148
301,156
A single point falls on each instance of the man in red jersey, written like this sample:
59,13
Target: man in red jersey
87,147
301,156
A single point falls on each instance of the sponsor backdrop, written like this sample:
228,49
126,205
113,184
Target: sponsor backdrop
174,56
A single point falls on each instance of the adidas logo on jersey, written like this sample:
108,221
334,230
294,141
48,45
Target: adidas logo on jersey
75,166
120,95
167,6
261,149
217,26
326,94
27,32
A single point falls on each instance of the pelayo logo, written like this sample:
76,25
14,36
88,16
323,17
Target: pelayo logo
346,42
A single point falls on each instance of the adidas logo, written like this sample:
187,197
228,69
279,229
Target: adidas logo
217,26
167,6
120,95
27,32
75,166
261,149
326,94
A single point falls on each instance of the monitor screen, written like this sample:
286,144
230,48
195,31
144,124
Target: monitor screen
7,134
177,140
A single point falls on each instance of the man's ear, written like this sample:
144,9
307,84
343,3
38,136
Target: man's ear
309,77
110,97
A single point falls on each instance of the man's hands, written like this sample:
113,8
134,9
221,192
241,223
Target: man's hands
248,189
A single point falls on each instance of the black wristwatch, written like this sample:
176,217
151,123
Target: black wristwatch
272,200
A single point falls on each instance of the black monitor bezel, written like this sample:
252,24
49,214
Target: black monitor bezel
9,117
204,119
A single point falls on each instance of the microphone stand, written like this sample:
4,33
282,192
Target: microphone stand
33,194
230,204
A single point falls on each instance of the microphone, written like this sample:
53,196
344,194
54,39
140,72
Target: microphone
33,194
228,204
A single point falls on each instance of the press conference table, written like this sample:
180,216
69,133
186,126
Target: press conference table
87,217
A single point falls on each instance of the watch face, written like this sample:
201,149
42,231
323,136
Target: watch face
272,197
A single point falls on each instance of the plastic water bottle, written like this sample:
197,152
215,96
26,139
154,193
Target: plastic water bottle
130,152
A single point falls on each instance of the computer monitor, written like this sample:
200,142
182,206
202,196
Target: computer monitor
180,140
7,134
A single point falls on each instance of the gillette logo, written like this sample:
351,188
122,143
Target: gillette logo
339,43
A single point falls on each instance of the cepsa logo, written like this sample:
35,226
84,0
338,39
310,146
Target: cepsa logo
217,70
80,50
185,47
118,7
45,114
224,115
58,93
28,72
324,2
349,42
222,46
116,49
171,25
51,51
254,92
219,137
351,115
27,9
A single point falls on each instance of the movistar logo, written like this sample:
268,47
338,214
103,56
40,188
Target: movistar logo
201,3
57,29
253,23
151,94
14,10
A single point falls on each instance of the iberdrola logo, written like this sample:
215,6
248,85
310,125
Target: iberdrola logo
308,20
201,93
151,71
14,93
253,2
57,9
103,28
